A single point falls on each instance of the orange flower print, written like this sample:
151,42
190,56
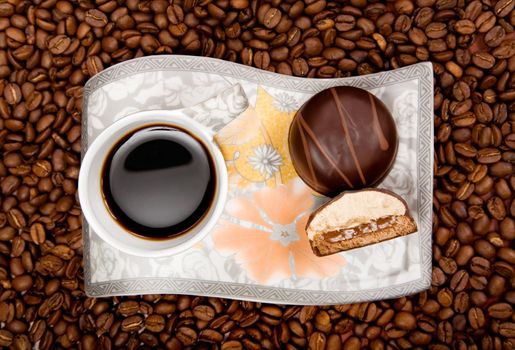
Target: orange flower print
265,234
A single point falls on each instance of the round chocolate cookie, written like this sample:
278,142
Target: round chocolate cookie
343,138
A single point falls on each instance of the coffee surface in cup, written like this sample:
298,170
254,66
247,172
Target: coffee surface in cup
159,181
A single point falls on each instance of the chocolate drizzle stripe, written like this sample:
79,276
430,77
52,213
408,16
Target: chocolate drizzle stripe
308,154
342,112
305,127
383,142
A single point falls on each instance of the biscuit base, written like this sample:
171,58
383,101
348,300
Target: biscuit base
403,226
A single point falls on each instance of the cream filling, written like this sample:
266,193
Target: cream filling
354,209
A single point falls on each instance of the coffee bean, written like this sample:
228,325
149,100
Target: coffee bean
445,332
438,277
480,266
483,60
49,264
204,312
405,320
507,254
485,21
465,150
96,18
300,67
94,65
317,341
500,311
505,50
132,323
155,323
16,219
494,36
271,18
436,30
501,169
461,302
347,65
503,7
262,59
37,330
6,337
53,47
333,53
431,307
465,27
22,283
59,44
445,297
209,335
232,345
12,94
312,47
186,336
507,329
128,308
15,34
488,155
476,318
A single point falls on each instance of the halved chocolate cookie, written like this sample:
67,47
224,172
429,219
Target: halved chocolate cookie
356,219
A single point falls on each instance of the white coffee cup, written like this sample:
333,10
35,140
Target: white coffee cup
96,210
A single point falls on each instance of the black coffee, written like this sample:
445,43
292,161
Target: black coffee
159,181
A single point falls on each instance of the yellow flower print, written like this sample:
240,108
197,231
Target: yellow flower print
255,145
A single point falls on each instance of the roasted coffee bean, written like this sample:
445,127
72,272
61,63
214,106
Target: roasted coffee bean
155,323
22,283
445,332
461,302
94,65
504,7
476,318
494,36
211,336
480,266
507,329
436,30
132,323
204,312
187,336
271,18
6,338
483,60
488,155
317,341
37,233
96,18
50,48
500,311
128,308
465,27
405,320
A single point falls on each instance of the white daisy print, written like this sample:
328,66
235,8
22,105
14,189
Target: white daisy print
266,160
285,102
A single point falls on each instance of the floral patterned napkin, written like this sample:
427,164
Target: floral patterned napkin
259,250
264,221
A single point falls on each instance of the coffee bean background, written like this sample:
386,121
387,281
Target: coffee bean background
49,48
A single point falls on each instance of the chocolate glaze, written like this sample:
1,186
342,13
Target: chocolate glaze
343,138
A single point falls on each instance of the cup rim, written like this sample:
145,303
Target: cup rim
154,116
